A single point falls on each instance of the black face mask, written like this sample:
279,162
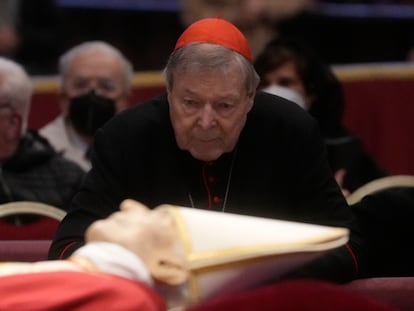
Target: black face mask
90,111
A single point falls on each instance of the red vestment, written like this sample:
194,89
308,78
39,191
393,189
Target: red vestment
68,290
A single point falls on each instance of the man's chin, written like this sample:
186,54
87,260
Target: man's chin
206,155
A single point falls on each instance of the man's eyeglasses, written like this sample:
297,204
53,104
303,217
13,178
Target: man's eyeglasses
5,109
104,87
5,106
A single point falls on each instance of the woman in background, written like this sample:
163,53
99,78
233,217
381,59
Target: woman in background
287,63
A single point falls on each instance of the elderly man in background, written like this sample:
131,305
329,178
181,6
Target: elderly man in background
30,169
95,84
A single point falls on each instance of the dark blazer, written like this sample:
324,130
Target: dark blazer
280,170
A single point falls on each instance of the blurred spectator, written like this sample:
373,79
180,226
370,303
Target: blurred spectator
288,93
29,34
257,19
30,169
385,219
95,84
289,63
9,39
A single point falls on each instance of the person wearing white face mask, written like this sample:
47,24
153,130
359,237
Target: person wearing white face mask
287,93
291,64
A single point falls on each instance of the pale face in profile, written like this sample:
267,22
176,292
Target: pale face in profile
208,111
150,234
99,71
133,224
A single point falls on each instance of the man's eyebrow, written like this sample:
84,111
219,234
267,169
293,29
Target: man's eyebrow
5,105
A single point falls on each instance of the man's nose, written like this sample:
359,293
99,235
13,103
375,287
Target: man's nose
207,117
94,86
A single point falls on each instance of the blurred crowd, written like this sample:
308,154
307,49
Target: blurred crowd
36,33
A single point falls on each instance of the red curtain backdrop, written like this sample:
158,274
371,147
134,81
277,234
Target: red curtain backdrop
381,112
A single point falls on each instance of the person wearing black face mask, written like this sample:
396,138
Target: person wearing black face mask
90,111
95,85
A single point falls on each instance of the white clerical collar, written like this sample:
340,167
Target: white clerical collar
114,259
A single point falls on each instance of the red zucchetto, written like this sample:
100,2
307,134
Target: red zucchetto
217,31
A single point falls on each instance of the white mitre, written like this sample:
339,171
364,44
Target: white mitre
227,253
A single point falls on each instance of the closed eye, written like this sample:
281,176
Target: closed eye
224,108
191,105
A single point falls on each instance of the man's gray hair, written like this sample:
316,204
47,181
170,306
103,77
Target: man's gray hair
200,57
91,47
16,88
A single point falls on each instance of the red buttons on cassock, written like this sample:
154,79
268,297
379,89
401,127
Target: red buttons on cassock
217,199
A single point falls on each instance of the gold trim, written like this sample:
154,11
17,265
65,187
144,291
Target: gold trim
143,79
148,78
182,229
375,71
205,261
251,261
183,232
345,73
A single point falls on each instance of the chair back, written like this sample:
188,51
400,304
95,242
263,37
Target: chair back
42,228
393,181
28,207
24,250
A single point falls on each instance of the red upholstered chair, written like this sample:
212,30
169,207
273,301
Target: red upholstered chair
24,250
296,295
31,241
394,291
42,228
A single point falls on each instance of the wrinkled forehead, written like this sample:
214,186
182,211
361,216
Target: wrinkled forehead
207,58
206,55
209,86
95,65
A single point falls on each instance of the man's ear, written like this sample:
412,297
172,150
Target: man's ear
169,96
251,101
63,101
14,131
168,270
